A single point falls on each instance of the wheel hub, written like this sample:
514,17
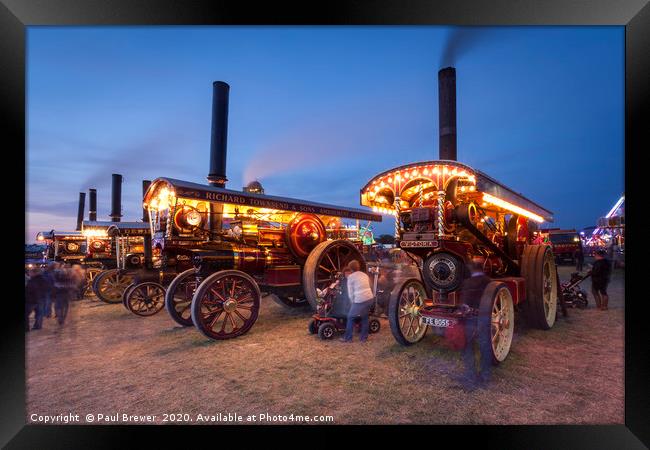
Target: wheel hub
230,305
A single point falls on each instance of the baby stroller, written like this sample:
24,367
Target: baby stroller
572,295
333,306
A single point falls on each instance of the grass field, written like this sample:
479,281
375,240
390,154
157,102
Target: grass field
106,360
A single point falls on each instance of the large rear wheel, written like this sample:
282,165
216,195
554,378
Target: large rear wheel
404,313
111,284
324,263
539,270
178,298
226,304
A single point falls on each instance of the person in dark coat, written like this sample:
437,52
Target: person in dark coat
65,288
48,273
35,292
600,275
471,291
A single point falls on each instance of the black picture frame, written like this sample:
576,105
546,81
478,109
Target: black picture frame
16,15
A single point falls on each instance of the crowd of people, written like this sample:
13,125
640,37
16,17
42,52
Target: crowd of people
52,287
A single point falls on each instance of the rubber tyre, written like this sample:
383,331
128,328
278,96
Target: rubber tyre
536,260
493,292
309,272
199,298
326,331
170,305
313,326
374,326
409,299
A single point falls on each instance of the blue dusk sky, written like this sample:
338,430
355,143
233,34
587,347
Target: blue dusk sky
315,112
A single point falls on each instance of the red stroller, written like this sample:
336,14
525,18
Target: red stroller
333,306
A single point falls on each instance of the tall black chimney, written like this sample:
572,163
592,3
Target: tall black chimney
145,186
116,198
92,207
447,113
219,139
80,210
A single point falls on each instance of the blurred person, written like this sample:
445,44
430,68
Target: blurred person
600,275
79,276
35,291
64,289
361,300
471,291
580,259
48,273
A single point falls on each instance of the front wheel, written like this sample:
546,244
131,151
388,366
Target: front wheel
125,295
404,313
226,304
146,299
496,320
326,331
91,274
111,284
178,298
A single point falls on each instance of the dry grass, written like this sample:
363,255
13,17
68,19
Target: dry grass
106,360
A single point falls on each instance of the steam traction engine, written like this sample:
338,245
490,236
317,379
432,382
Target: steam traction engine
225,245
123,243
63,246
447,216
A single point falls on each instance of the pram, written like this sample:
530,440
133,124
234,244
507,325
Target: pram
572,295
333,307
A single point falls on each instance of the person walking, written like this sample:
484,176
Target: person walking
600,275
580,259
64,288
48,273
35,291
361,300
472,289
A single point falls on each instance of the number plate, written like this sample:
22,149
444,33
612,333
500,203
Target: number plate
415,244
436,322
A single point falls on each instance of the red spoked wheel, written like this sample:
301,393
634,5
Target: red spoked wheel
325,263
145,299
226,304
